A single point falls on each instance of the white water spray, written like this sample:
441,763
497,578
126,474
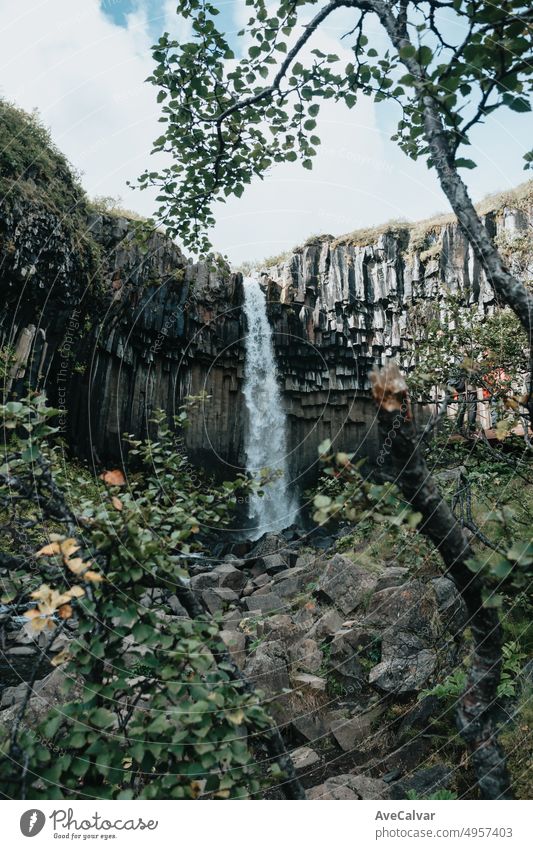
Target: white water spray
265,438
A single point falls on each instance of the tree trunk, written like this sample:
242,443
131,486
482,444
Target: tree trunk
508,289
476,711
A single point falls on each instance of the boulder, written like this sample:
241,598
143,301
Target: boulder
47,695
394,576
345,584
267,544
176,607
264,603
273,563
411,607
235,642
327,625
267,670
291,582
304,758
350,787
204,581
261,580
224,576
424,782
304,680
406,757
351,731
404,674
423,714
230,577
311,724
231,619
219,599
306,656
279,627
344,662
450,604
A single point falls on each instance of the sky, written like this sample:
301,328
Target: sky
82,64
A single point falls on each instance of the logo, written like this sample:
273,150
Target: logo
32,822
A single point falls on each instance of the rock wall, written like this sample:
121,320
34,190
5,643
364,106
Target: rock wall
340,307
119,331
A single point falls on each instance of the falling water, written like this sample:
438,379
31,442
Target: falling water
265,438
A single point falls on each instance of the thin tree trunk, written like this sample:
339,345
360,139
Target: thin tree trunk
476,711
508,289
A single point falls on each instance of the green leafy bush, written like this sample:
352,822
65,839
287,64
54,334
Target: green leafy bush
155,710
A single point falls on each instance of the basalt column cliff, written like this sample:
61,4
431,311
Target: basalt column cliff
116,323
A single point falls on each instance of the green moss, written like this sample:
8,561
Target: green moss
369,235
33,171
31,165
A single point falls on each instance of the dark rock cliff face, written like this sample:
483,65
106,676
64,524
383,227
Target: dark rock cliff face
117,324
340,307
138,330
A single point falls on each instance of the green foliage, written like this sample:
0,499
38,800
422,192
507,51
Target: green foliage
453,685
156,709
437,796
513,658
454,342
450,688
507,572
7,360
36,178
353,498
32,164
228,120
517,741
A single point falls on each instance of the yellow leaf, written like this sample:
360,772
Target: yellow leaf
75,592
69,547
60,658
77,565
49,550
49,600
236,717
196,789
93,576
117,503
32,614
65,611
37,621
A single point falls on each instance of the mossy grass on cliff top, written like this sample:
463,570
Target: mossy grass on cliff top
520,197
414,236
32,166
107,205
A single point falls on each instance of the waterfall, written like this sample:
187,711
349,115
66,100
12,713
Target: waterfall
265,436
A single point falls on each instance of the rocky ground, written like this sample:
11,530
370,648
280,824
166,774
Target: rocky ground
340,651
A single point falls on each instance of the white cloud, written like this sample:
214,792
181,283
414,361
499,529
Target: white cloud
86,77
